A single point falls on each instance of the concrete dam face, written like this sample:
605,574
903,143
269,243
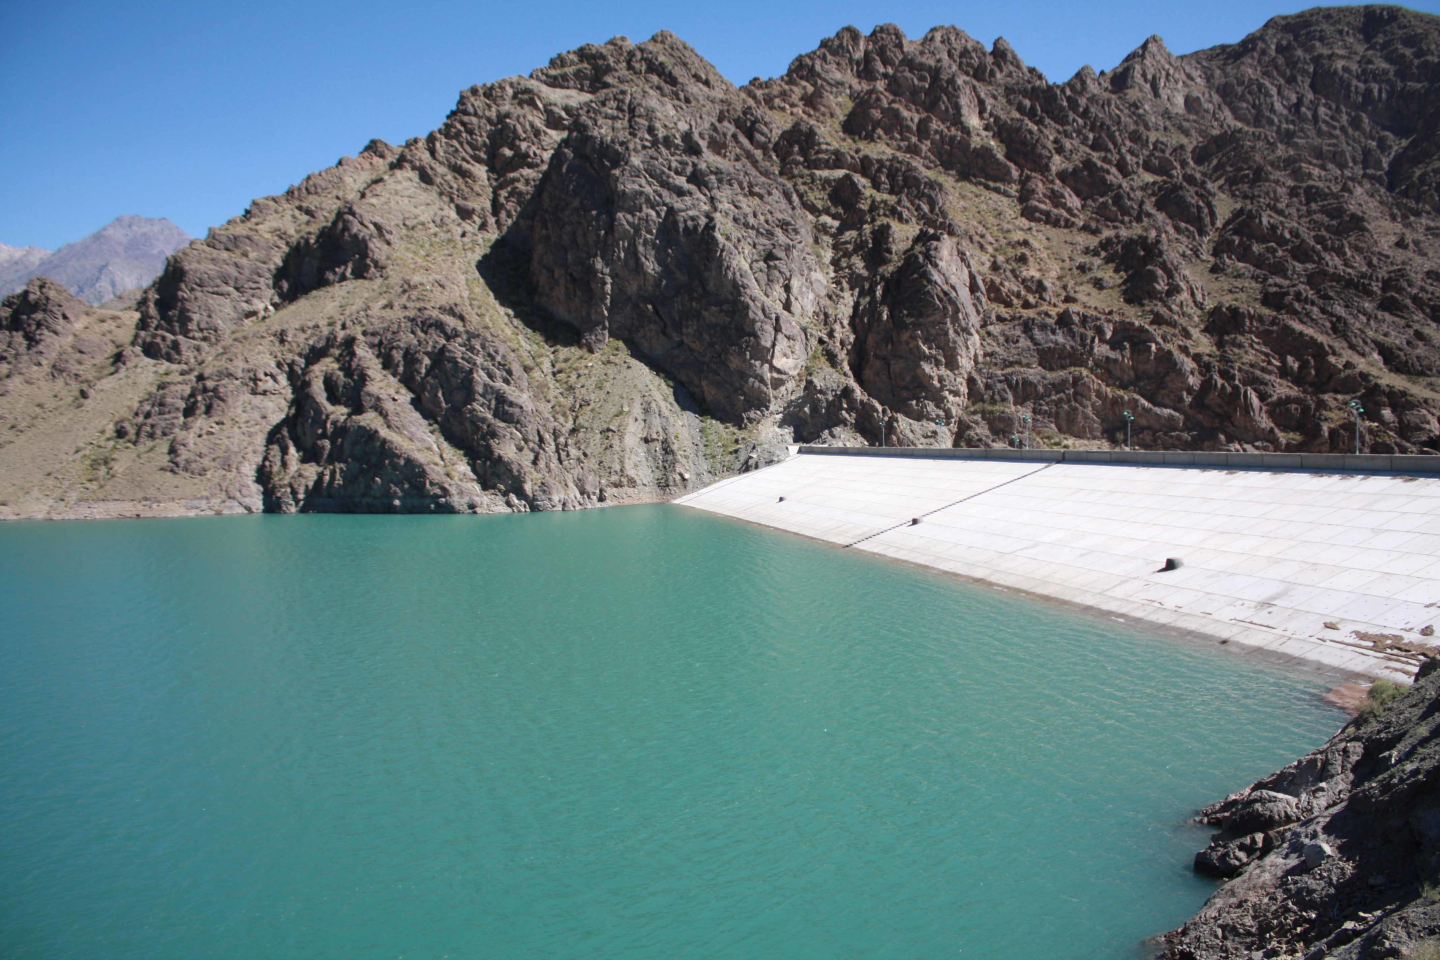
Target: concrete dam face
1337,570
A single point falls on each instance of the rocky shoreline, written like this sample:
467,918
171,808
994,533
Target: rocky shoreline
1335,856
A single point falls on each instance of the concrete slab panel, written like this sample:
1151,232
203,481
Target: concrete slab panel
1273,553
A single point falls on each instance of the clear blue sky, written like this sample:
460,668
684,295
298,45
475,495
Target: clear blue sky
188,110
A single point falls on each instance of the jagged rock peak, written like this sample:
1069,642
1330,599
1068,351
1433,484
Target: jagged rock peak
1005,54
1153,48
1153,69
41,294
664,57
33,324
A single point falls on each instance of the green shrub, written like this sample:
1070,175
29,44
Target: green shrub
1382,692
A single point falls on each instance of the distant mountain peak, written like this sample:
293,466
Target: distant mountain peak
126,253
12,258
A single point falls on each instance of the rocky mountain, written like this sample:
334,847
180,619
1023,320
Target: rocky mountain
17,262
622,276
1338,855
125,254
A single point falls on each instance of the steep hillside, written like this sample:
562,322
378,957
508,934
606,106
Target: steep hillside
125,254
621,276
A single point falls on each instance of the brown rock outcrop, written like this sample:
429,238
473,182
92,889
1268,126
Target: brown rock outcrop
35,324
916,350
1334,856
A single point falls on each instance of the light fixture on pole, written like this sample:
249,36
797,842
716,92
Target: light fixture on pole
1025,418
1355,406
1128,417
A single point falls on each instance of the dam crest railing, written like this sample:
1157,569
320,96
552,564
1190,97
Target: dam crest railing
1322,462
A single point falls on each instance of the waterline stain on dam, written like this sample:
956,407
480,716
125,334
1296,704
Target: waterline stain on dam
638,732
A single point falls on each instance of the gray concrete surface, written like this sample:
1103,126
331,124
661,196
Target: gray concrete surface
1338,570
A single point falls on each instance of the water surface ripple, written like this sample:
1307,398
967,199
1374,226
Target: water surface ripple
632,733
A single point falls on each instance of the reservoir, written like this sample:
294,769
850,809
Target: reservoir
641,732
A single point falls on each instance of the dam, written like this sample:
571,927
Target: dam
1323,561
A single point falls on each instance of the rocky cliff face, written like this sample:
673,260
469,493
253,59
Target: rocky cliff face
124,255
1336,856
621,276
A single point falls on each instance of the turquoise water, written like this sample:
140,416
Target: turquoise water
632,733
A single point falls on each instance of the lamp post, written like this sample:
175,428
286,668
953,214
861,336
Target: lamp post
1128,417
1025,418
1015,440
1355,406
